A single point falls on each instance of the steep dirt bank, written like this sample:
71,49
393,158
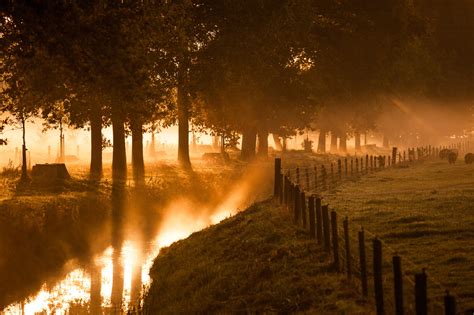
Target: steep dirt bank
255,261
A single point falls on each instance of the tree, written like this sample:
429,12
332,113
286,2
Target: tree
250,76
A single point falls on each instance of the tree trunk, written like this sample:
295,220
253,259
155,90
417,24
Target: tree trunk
24,166
322,141
119,157
365,138
262,144
249,139
96,144
278,145
138,165
152,144
343,143
222,144
385,141
183,118
194,142
215,142
333,142
62,151
357,141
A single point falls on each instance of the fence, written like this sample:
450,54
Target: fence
298,189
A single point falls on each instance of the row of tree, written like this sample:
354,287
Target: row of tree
245,67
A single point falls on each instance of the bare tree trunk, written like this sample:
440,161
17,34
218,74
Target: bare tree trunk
249,139
357,141
62,151
262,150
138,164
152,144
333,142
322,141
119,157
96,144
183,118
24,166
278,145
343,143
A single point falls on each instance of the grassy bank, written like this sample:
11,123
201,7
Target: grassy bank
425,213
255,261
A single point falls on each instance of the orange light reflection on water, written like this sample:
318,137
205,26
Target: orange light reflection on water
180,219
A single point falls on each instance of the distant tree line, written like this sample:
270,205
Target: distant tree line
232,67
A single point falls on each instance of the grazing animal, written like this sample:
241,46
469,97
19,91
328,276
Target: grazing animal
452,157
469,158
443,154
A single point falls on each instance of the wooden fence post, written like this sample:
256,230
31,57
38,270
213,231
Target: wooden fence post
296,201
327,243
298,176
345,167
357,166
307,180
335,240
332,174
348,247
366,163
378,280
319,221
312,223
282,190
339,170
421,298
277,184
315,178
291,200
323,177
394,155
303,208
352,167
371,163
449,304
287,192
363,263
398,284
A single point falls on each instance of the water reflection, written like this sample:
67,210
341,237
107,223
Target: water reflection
113,280
118,209
96,285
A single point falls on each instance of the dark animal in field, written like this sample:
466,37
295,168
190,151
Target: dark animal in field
443,154
452,157
469,158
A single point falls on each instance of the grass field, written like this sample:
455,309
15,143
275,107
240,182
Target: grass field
425,213
256,261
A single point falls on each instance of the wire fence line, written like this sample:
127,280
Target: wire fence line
299,188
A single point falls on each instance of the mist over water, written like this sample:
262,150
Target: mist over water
115,278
